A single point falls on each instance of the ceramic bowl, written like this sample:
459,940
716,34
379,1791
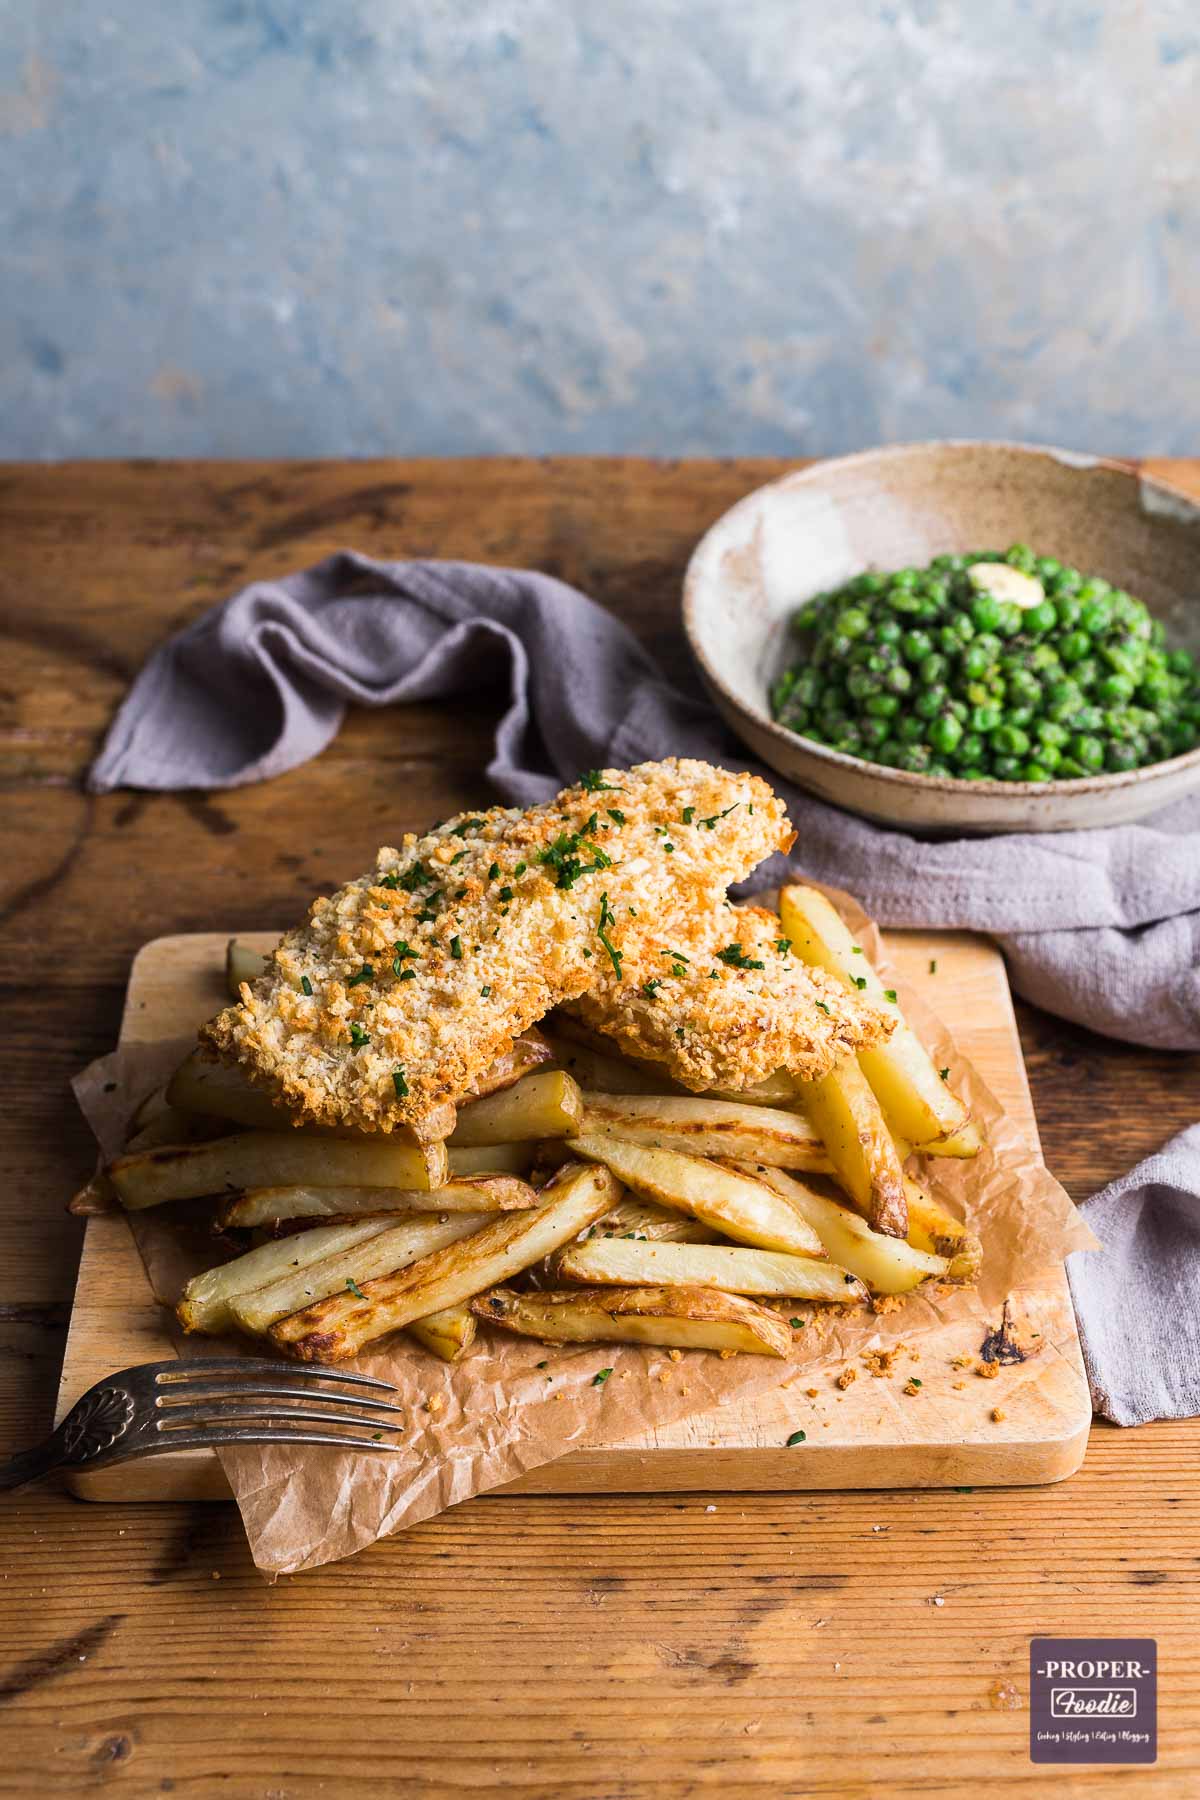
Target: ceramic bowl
889,509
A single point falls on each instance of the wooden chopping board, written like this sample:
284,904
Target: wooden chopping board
869,1436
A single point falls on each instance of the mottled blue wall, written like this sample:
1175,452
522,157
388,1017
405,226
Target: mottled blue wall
327,227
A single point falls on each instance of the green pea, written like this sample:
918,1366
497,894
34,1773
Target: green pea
853,623
888,631
910,730
976,661
931,701
898,680
1070,770
1040,618
1087,751
1120,757
970,750
1010,740
1067,610
933,669
1020,556
1050,732
1006,768
945,733
985,718
1062,699
1021,715
1049,755
874,730
1096,616
1043,658
1087,718
914,758
883,706
960,709
1094,587
974,775
986,612
1035,771
1074,646
916,645
1181,662
1047,568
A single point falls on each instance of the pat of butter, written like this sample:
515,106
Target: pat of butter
1005,583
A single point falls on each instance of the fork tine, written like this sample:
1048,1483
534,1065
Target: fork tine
168,1374
189,1394
213,1440
189,1415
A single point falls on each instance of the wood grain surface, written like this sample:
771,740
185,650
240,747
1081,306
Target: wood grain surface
575,1647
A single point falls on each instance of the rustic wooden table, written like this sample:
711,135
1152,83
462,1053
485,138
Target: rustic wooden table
562,1647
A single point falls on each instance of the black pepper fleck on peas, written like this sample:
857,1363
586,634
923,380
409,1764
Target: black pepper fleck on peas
989,666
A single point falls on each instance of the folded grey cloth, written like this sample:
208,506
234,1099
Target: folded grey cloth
1138,1299
1102,927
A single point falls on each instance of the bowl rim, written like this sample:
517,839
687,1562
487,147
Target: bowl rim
1016,791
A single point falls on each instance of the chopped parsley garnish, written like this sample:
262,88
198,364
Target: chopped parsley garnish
689,813
616,815
541,1365
520,869
354,1288
456,859
797,1437
404,953
819,1003
860,981
456,948
734,957
390,881
669,848
506,893
563,857
592,782
366,973
914,1381
460,831
493,871
414,878
945,1074
305,985
650,988
890,994
933,965
359,1037
675,955
485,992
407,974
399,1083
428,914
600,1377
856,949
797,1323
607,918
783,945
714,819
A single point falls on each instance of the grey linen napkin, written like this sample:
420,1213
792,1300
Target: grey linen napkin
1102,927
1138,1300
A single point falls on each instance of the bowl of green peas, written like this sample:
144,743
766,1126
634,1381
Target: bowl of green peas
959,637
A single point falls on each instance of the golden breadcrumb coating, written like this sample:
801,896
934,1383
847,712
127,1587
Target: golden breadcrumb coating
402,988
718,999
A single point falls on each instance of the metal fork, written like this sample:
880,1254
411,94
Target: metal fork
199,1405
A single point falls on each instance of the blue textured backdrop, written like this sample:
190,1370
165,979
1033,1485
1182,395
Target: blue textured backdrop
324,227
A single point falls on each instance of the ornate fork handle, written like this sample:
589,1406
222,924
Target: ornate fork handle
94,1424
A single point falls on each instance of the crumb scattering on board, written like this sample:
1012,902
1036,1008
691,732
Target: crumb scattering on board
988,1370
847,1376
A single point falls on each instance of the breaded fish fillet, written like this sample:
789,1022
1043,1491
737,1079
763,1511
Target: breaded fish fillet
718,999
408,983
